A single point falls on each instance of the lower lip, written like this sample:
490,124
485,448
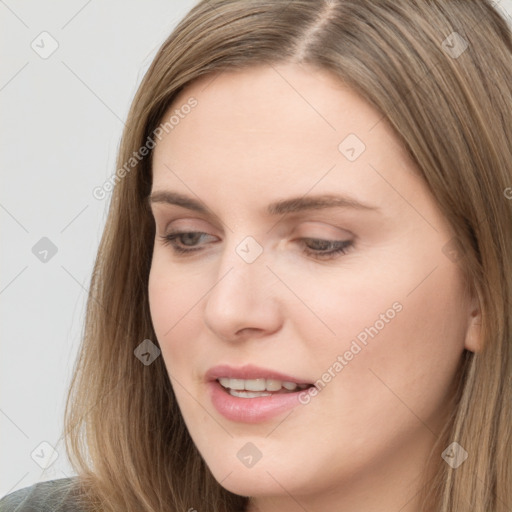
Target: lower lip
251,410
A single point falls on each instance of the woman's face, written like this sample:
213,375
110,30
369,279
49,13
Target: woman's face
316,256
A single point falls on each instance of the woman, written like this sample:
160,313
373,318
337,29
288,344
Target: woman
302,298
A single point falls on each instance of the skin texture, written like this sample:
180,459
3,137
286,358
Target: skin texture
264,134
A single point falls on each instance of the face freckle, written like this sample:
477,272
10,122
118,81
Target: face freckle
379,327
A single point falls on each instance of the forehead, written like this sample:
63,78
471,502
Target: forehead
258,104
266,129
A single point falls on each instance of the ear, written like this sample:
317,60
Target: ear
473,341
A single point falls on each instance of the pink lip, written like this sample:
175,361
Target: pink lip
250,410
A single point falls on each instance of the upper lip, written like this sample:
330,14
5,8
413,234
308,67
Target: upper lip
250,372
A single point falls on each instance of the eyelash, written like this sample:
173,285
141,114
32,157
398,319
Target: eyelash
341,246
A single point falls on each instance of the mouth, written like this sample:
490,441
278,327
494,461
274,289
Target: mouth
259,387
251,394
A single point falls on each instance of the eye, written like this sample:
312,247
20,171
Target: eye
325,249
186,242
180,240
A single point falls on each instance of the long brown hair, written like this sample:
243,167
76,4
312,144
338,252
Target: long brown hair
440,72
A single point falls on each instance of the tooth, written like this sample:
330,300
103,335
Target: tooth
236,384
224,381
260,384
255,385
273,385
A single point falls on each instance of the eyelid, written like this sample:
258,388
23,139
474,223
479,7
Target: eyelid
335,233
188,224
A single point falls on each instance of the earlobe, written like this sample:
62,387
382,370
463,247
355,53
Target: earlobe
473,340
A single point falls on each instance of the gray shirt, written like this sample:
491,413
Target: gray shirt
52,496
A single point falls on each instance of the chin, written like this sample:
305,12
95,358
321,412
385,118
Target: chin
250,482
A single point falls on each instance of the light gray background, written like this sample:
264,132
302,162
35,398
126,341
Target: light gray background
61,122
62,119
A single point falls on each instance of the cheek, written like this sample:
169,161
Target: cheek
396,350
403,322
174,302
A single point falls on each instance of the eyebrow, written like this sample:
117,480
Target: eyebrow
292,205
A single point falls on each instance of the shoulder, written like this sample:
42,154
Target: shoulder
51,496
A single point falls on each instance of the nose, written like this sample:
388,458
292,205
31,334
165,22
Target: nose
244,299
